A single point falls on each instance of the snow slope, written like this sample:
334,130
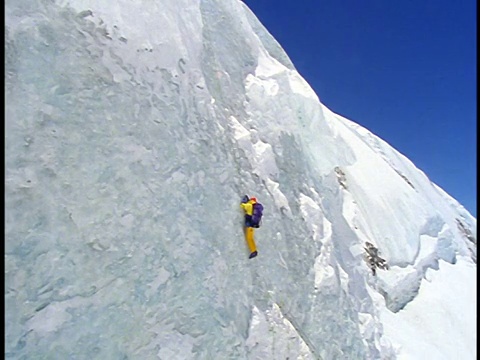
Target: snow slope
132,131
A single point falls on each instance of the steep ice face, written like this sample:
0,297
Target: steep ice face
132,131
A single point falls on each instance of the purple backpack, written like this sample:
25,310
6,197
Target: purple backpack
257,214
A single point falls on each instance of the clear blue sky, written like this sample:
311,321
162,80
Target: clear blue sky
405,70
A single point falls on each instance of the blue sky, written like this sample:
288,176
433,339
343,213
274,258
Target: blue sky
405,70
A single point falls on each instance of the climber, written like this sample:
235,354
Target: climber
253,215
253,211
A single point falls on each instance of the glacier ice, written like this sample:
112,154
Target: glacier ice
132,131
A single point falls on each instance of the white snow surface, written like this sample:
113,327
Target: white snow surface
133,129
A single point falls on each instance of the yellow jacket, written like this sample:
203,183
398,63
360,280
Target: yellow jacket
248,207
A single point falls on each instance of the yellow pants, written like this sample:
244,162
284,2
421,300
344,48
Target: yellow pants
249,238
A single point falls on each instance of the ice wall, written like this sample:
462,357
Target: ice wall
132,131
